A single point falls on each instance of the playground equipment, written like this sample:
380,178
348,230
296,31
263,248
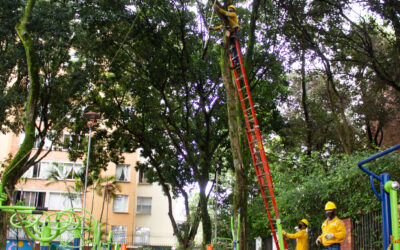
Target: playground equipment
388,198
41,228
258,155
45,227
233,243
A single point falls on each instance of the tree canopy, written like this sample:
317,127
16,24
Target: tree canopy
324,77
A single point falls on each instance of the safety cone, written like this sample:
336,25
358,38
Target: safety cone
209,247
123,247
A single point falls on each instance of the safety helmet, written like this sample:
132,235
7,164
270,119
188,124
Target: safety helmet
305,222
232,6
330,205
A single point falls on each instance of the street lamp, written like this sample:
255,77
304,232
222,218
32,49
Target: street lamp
91,118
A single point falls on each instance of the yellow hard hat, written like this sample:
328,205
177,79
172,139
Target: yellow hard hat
232,6
305,222
330,205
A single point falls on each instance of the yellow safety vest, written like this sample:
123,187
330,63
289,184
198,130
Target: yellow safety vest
302,239
232,18
335,227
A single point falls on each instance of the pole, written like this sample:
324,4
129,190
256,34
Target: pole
86,177
208,37
391,187
215,206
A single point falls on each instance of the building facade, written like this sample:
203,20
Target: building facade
137,214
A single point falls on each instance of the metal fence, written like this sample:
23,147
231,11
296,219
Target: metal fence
367,232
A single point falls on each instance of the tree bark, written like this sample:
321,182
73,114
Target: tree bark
17,166
205,216
235,132
102,207
304,101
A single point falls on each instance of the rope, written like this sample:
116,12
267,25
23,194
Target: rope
209,25
392,242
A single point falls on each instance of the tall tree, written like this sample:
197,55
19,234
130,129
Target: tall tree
41,83
259,65
161,98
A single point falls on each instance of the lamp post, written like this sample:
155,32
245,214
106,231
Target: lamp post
91,118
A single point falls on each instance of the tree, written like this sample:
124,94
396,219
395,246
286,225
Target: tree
40,84
166,102
257,69
108,187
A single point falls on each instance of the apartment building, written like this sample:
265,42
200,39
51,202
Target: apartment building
137,215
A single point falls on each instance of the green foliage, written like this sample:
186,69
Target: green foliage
303,184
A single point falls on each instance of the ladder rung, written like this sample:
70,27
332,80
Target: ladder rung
251,119
269,196
247,110
264,186
252,142
263,174
252,130
242,88
247,97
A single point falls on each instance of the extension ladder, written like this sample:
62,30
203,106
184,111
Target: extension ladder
256,148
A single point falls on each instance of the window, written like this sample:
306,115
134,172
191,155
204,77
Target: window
40,170
142,236
16,234
66,141
33,199
120,204
142,177
46,146
119,234
62,201
122,172
143,205
66,171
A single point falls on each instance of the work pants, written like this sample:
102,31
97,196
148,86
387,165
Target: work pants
335,246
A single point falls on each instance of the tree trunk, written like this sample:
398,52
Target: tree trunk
235,132
102,207
205,216
304,101
186,235
17,166
108,201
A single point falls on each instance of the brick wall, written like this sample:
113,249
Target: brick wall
347,243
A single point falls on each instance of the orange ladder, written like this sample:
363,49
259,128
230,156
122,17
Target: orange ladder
256,148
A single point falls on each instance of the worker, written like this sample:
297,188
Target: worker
232,31
301,235
333,229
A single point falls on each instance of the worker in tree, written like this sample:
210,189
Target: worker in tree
333,229
232,32
301,235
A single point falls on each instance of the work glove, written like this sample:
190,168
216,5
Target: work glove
329,236
318,241
284,232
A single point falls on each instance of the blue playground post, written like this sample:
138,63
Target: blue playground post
384,196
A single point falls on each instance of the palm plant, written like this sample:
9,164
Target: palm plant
108,187
59,173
